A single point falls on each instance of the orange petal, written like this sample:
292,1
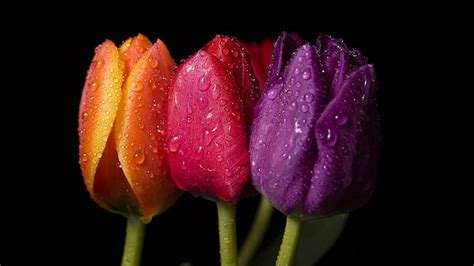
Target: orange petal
99,104
132,50
140,131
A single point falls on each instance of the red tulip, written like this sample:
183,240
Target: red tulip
209,112
121,128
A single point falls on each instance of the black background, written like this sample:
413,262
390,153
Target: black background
85,234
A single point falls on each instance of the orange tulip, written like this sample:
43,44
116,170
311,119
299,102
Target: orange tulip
122,123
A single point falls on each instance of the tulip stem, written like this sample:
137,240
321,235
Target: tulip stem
291,238
133,241
256,233
227,233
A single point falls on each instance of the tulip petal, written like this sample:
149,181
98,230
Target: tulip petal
344,172
111,186
261,57
132,50
99,104
338,61
208,150
282,140
140,129
282,52
235,56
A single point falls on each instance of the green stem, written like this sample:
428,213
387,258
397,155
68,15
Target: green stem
291,238
256,233
133,241
227,233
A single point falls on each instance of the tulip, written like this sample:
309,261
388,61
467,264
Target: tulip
314,142
122,130
210,106
209,112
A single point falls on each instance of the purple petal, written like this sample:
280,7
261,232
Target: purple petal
282,145
283,49
347,139
338,61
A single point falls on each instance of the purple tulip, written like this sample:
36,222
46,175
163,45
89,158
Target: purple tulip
314,140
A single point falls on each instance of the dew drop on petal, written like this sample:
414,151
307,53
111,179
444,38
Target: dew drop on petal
340,119
139,156
137,86
304,108
272,94
306,74
173,144
152,62
308,97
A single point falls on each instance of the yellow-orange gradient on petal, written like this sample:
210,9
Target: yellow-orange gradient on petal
140,130
121,147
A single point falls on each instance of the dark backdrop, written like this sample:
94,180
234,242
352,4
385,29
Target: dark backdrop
85,234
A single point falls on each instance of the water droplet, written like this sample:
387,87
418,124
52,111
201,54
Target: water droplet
137,86
306,74
152,62
219,158
297,71
341,119
298,128
202,102
298,84
173,144
272,94
99,63
215,92
204,86
235,54
330,138
139,156
292,106
300,59
84,157
208,137
150,174
304,108
85,115
225,51
119,165
236,116
227,172
94,86
307,55
308,97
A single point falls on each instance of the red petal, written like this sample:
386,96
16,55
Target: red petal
208,150
235,56
261,57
